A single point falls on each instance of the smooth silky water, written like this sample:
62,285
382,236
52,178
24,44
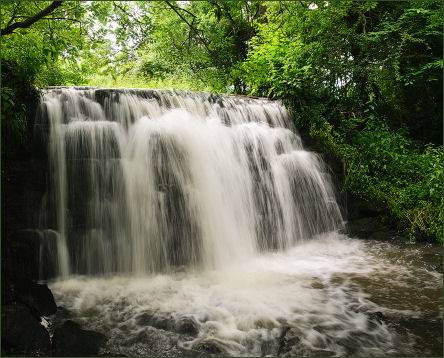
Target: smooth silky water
187,223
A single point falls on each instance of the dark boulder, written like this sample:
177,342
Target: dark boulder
36,296
31,254
370,228
188,326
22,333
70,340
363,226
358,208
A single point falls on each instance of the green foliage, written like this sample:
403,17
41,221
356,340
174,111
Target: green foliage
202,41
18,96
12,115
364,78
390,168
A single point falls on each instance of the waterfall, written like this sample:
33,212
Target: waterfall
151,180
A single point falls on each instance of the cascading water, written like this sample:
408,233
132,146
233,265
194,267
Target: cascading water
184,223
144,181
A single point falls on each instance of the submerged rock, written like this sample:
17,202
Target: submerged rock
150,341
156,320
376,316
22,333
70,340
187,325
288,339
184,325
209,346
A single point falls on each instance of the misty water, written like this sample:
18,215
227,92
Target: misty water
188,223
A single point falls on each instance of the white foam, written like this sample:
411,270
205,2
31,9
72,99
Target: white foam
245,306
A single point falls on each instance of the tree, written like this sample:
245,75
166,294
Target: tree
364,78
207,40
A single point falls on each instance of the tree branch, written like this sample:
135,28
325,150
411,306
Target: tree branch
198,35
31,20
14,13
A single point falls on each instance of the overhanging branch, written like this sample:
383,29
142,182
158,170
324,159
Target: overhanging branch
31,20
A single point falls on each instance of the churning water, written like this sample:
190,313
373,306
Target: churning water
186,223
331,296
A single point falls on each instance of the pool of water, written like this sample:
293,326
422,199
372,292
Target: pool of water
332,296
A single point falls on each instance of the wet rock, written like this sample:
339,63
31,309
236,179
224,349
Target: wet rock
111,354
363,226
265,323
150,342
288,339
428,342
24,253
48,260
358,208
156,320
63,313
307,352
370,228
22,333
290,345
36,296
184,325
384,234
376,316
58,318
208,346
70,340
353,341
317,285
188,326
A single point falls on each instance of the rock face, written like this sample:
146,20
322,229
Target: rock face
70,340
22,333
364,219
37,296
23,303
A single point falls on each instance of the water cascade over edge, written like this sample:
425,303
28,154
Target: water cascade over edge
149,180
